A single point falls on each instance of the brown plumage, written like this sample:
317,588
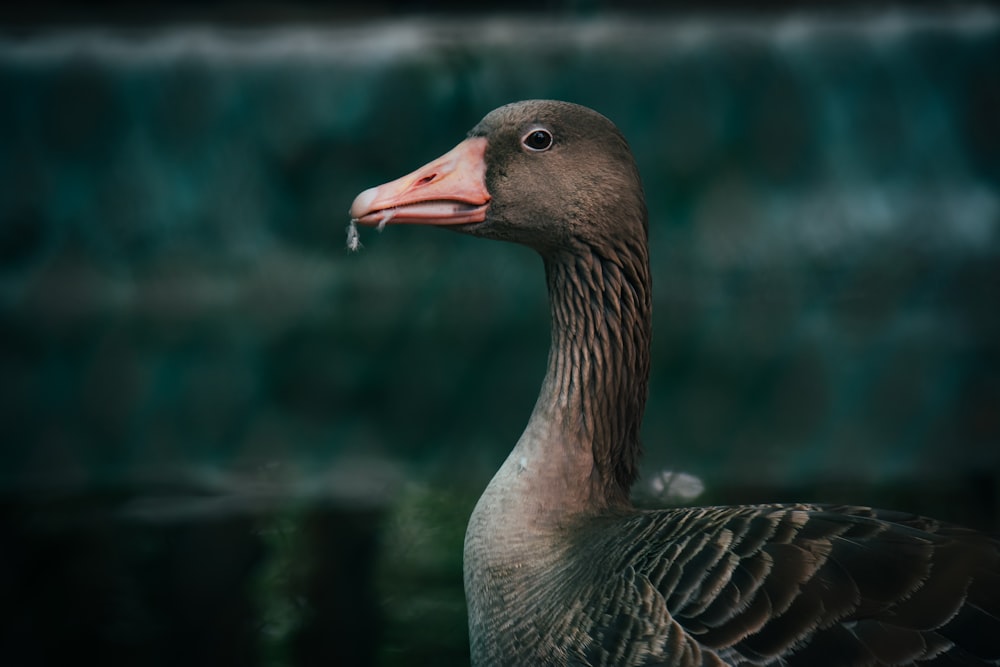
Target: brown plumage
560,568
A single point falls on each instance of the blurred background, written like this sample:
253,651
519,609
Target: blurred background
228,441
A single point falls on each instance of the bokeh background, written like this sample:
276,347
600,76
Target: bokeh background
228,441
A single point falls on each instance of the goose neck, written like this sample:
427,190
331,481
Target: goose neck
589,410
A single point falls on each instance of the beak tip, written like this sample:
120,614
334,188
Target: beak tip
362,203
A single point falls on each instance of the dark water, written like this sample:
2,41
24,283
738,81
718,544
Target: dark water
226,440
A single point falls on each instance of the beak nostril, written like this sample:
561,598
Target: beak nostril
426,179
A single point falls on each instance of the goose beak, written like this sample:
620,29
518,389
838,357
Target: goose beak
450,190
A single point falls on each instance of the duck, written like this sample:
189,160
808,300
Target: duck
560,567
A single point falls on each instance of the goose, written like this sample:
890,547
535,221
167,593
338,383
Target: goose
560,568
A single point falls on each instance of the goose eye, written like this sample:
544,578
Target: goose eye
538,140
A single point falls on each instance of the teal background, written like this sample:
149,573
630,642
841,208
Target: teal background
226,439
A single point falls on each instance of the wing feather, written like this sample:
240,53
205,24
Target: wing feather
798,585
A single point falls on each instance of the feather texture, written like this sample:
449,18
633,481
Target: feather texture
754,585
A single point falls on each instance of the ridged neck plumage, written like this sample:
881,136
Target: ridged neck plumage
590,407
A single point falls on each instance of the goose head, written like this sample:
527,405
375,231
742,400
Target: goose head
550,175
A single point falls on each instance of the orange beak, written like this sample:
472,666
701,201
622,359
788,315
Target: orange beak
450,190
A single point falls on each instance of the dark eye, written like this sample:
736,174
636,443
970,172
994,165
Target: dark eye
538,140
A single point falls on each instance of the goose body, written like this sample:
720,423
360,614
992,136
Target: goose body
560,568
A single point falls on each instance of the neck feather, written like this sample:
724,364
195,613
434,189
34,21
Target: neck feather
595,388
